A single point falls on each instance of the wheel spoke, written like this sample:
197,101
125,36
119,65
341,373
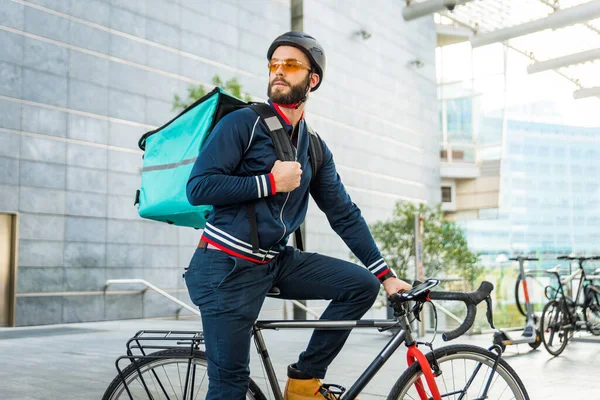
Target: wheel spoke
505,387
171,384
453,380
445,386
154,383
200,385
494,381
465,368
480,393
180,383
141,385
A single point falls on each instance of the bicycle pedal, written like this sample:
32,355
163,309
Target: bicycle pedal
331,391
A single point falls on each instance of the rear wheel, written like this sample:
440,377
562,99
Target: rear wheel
591,313
465,372
554,326
164,377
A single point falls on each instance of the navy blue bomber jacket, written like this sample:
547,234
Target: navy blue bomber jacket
233,169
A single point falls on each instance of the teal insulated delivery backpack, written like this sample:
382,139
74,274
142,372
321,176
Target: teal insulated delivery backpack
171,150
169,155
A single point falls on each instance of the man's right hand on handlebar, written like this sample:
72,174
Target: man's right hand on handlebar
395,285
287,175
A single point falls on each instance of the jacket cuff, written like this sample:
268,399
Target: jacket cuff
265,185
388,274
380,269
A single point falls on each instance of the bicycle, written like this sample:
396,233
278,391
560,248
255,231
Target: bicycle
460,371
561,316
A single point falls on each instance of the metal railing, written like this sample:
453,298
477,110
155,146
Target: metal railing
156,289
181,303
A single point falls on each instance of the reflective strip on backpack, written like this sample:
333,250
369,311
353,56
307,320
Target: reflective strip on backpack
169,166
273,123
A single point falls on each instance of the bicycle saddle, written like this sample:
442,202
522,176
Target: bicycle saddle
554,270
274,291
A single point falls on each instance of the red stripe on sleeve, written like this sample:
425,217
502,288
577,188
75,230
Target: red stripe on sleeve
379,275
273,187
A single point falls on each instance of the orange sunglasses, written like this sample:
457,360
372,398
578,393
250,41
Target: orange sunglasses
289,66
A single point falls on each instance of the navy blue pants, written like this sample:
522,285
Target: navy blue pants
230,293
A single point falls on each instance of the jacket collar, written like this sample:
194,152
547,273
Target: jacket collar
284,119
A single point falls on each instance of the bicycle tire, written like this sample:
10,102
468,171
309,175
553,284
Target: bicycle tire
592,308
560,321
116,387
405,385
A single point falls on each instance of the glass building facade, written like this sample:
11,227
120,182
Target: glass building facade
546,144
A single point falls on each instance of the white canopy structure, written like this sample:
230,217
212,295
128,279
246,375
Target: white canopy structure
558,35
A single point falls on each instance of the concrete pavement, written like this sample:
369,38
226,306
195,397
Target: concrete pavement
76,361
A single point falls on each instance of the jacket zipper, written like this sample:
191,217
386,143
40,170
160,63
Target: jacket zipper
288,195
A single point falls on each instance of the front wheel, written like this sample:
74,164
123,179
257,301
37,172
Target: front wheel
465,372
163,376
554,327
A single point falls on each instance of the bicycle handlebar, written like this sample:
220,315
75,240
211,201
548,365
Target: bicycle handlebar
524,258
578,258
471,299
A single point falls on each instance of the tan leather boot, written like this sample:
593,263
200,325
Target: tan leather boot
302,387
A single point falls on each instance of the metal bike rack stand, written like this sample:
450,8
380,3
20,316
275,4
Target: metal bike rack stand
181,303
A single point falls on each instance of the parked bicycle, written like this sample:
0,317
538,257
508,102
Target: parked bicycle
178,370
563,315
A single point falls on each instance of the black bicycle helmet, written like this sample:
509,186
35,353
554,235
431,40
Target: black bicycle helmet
309,46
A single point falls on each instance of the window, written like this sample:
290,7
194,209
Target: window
459,119
446,194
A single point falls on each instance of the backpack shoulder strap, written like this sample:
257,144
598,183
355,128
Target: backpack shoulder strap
315,153
283,149
283,144
315,150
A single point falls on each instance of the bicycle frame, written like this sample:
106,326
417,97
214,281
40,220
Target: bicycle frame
403,335
580,272
567,279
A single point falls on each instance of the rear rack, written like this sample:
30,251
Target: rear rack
164,340
142,341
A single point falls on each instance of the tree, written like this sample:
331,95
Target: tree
445,249
196,92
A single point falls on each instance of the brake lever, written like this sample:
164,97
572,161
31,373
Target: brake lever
417,310
489,312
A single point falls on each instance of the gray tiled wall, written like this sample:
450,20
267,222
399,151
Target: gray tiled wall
82,80
378,115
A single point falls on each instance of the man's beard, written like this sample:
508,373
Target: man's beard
295,94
